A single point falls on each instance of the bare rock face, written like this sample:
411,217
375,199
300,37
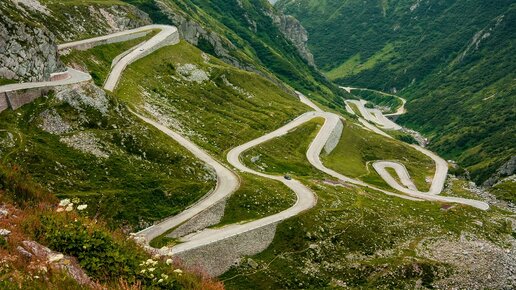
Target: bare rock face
192,32
507,169
295,32
27,53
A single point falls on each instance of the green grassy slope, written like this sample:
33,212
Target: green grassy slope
254,41
214,104
264,157
127,172
218,107
353,237
453,60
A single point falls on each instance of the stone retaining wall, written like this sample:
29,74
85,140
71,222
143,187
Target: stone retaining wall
4,103
209,217
216,258
334,139
19,98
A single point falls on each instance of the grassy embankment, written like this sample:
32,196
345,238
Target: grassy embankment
358,148
139,176
366,239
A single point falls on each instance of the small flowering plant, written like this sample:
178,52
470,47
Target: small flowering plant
67,205
157,274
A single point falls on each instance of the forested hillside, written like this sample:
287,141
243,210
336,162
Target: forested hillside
453,59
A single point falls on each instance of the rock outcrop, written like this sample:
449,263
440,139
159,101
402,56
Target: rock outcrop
56,261
194,33
295,32
29,32
27,52
505,170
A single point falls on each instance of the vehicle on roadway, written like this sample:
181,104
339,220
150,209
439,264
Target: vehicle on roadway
287,177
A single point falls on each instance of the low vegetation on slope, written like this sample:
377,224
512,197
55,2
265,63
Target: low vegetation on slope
452,60
216,105
264,157
82,143
96,257
363,239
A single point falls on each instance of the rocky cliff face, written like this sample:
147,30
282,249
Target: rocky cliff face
27,53
296,33
194,33
28,49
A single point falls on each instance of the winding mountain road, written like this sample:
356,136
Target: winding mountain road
407,185
227,183
227,180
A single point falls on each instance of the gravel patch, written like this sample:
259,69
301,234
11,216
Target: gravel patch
236,88
33,5
190,72
87,143
477,264
53,123
82,97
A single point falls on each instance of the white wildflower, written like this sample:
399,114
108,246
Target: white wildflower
60,209
64,202
178,271
169,262
69,207
82,207
152,269
164,276
160,280
143,271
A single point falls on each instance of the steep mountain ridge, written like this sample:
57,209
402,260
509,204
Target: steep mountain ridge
452,60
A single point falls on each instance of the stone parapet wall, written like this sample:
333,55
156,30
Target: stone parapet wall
59,76
116,39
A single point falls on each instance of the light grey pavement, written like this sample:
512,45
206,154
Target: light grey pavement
71,76
168,35
407,186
